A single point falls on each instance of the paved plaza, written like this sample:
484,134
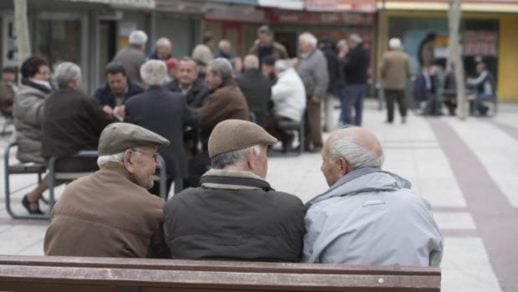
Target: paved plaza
467,170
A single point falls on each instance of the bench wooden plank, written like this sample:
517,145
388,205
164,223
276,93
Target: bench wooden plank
111,274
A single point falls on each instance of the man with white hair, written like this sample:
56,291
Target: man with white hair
165,113
289,102
256,89
163,50
235,214
368,216
395,71
225,100
225,50
133,56
312,69
72,121
110,213
355,70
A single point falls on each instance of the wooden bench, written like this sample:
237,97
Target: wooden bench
33,273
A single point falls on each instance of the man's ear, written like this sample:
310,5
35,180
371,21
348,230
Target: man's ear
127,161
344,166
250,159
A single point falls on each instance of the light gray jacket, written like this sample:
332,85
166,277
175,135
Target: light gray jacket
371,217
28,120
312,70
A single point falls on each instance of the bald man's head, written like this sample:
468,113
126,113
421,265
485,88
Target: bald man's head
350,149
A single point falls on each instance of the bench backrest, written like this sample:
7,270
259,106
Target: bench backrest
21,273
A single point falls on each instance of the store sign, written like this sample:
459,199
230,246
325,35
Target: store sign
284,4
341,5
278,16
122,3
480,43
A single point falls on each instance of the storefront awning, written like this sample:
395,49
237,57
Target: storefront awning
442,5
242,2
150,4
284,4
341,5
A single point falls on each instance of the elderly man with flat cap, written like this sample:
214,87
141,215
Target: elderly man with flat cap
110,213
235,214
368,216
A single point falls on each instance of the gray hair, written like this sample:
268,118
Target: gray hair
137,37
163,42
65,73
341,43
222,67
251,62
224,43
355,155
282,65
309,38
104,159
223,160
153,72
395,43
355,38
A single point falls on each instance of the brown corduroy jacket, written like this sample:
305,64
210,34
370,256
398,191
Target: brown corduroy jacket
105,214
395,70
226,102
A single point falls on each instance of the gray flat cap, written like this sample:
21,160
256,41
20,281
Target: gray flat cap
231,135
117,137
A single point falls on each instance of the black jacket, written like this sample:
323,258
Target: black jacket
72,122
333,69
104,96
166,114
257,90
355,65
234,217
193,97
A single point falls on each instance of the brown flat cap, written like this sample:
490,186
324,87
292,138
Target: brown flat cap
117,137
231,135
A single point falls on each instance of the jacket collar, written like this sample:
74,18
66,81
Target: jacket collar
367,179
119,169
233,180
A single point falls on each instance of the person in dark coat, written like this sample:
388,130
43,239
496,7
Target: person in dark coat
187,82
256,89
355,68
334,71
118,88
225,101
72,121
165,113
425,89
235,214
265,45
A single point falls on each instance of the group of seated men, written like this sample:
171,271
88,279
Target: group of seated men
367,217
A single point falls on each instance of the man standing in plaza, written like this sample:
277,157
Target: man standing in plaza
265,45
132,57
355,69
235,214
110,213
368,216
312,68
395,71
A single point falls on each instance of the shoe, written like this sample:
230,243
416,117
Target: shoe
388,122
403,120
27,204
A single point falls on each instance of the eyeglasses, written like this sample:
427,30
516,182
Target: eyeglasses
154,154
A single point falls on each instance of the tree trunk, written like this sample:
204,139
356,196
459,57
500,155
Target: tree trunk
22,30
455,55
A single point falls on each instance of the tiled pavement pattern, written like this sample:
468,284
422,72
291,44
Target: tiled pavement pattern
467,170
